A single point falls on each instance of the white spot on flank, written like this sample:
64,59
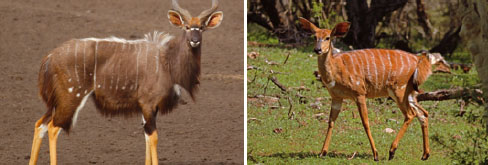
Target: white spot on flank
79,86
86,91
402,87
83,101
70,89
357,82
123,88
99,86
42,130
69,80
78,95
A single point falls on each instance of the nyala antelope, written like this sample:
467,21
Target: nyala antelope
123,77
370,73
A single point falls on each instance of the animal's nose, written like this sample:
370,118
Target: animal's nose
317,50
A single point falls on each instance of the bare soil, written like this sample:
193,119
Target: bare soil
208,131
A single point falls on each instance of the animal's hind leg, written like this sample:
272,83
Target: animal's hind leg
63,116
423,117
53,132
39,131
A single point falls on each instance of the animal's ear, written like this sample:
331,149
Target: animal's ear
307,25
175,19
214,20
340,29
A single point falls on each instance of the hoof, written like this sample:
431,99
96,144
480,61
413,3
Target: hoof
392,155
376,156
376,159
323,153
425,157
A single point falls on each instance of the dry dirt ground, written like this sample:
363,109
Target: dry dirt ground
208,131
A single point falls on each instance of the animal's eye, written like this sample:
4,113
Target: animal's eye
327,38
187,28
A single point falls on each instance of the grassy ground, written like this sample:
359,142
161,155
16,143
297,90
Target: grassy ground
273,138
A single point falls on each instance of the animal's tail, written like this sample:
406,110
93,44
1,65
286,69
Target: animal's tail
47,88
422,72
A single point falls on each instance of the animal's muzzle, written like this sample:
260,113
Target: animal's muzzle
195,39
318,50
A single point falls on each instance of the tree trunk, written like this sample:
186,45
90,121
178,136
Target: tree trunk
423,19
364,20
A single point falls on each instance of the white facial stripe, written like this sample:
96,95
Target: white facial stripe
198,29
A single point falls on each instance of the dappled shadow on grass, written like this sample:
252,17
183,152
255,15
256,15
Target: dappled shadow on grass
304,155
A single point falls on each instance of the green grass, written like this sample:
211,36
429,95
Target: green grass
302,137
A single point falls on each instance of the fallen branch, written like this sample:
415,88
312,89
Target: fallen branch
277,83
291,114
287,56
455,93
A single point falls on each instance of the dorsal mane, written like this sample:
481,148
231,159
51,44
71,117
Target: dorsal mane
159,38
156,37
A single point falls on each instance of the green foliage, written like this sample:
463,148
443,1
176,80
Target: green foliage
301,138
260,34
333,17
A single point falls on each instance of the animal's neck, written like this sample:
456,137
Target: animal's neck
185,64
325,65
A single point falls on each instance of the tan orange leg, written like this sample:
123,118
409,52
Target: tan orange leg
153,142
394,145
148,150
423,117
425,134
53,132
39,131
408,112
334,112
363,113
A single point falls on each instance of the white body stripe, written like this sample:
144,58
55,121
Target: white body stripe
76,62
374,67
95,70
383,74
390,69
401,69
80,106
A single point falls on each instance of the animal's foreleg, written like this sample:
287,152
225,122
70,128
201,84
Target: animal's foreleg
150,132
53,132
153,142
334,112
363,113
